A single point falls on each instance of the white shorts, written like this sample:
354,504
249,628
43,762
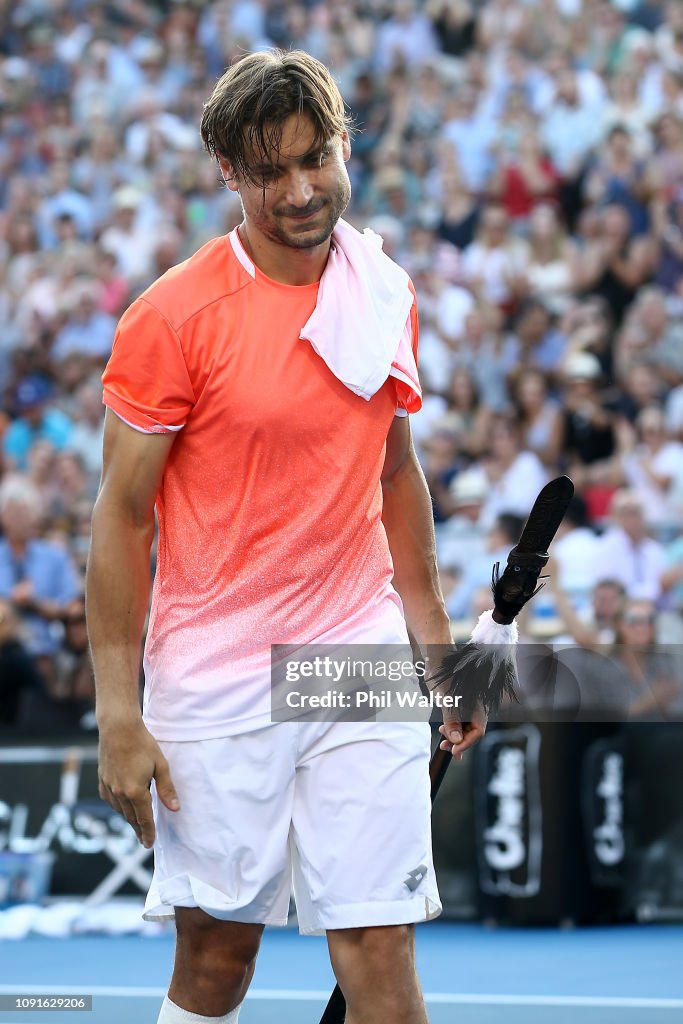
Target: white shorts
339,810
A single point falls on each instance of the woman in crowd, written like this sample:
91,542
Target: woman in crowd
653,465
551,266
465,401
650,687
538,416
524,177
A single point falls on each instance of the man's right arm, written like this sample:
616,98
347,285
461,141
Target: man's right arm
117,594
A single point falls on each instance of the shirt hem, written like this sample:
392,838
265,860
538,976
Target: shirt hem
190,732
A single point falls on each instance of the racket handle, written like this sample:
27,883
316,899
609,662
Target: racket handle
335,1011
438,766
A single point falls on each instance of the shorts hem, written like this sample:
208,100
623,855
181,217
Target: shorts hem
367,915
163,913
188,891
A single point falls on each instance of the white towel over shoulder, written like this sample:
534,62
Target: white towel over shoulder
361,323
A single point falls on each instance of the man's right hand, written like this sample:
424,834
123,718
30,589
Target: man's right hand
129,758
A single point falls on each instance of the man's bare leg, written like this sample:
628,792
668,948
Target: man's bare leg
214,963
375,968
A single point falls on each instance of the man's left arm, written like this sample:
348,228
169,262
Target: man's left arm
409,525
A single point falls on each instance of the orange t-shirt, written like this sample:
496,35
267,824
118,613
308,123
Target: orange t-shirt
270,505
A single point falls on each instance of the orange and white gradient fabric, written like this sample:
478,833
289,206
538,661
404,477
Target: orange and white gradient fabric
270,506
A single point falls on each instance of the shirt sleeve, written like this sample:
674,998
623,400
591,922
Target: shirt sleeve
146,381
405,395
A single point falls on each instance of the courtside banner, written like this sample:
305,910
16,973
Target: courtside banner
50,808
508,812
602,784
550,828
556,683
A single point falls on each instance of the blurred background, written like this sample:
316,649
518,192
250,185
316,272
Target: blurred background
523,160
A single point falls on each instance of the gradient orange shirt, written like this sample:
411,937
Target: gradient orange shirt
270,505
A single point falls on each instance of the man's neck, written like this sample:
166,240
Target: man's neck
283,263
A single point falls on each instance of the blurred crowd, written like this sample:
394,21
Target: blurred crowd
523,159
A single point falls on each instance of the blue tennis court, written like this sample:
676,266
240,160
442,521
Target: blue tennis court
630,975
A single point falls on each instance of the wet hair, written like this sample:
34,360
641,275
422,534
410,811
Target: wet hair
244,116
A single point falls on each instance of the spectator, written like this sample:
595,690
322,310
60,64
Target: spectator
651,335
551,266
407,37
484,352
18,674
672,577
473,416
674,412
596,627
652,466
668,218
459,207
454,23
88,331
88,427
571,127
513,475
36,421
616,176
127,238
73,489
462,537
574,551
471,133
524,177
667,161
441,463
538,416
74,686
588,438
588,327
627,111
641,386
626,553
649,681
502,24
613,267
502,535
493,265
36,576
534,342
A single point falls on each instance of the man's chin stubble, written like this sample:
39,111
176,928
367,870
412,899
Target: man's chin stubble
306,240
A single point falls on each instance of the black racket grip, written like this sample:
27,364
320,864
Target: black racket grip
335,1011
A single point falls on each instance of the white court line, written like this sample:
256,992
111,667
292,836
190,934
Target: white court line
310,995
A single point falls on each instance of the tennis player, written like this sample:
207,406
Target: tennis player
287,505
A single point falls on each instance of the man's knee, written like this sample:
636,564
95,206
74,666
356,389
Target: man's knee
382,954
214,957
375,968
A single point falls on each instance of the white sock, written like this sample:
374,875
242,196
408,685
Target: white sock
172,1014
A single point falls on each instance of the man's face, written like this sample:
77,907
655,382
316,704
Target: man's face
630,517
17,520
300,193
